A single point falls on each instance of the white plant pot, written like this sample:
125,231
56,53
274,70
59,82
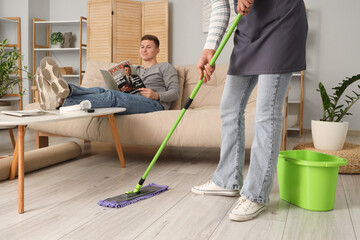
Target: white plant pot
57,45
329,135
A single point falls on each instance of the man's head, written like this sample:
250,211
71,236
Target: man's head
127,70
149,47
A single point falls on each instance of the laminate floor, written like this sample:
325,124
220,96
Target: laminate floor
61,200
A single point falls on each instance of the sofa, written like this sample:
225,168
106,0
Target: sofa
199,127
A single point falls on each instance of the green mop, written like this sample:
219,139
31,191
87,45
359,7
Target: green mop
139,192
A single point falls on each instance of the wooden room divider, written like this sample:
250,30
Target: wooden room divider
115,28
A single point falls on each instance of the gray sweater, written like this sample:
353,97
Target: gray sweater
163,79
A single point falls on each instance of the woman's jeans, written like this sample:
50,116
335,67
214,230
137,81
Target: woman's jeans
101,98
268,128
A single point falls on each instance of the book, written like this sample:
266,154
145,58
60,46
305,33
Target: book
26,113
123,77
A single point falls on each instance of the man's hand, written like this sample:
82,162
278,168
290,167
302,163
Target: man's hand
149,93
244,6
203,65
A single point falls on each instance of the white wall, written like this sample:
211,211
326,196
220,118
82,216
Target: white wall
69,10
10,8
186,36
332,47
37,9
333,52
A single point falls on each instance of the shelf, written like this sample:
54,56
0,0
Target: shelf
9,98
9,47
14,76
59,49
296,75
71,76
294,128
61,22
294,102
8,20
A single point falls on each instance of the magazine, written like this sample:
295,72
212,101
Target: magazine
26,113
123,77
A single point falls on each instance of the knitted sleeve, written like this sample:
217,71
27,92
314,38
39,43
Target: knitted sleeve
170,78
219,20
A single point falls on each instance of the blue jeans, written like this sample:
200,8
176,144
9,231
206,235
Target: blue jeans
268,128
102,98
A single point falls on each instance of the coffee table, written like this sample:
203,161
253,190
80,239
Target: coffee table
52,116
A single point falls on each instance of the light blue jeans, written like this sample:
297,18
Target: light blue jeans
268,127
102,98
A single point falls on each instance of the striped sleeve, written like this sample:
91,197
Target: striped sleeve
219,20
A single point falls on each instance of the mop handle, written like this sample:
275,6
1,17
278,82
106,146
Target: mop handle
188,102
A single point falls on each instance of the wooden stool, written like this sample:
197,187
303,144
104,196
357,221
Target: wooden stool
350,151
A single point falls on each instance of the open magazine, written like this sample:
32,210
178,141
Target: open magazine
26,113
123,77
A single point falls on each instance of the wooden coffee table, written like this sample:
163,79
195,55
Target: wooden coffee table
52,116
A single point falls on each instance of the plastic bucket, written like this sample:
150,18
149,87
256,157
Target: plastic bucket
308,179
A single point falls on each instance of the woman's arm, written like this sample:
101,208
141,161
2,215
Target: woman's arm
219,20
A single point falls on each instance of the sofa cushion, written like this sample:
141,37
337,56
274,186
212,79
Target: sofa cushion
181,76
93,77
76,128
209,95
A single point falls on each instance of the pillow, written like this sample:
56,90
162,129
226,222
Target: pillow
93,77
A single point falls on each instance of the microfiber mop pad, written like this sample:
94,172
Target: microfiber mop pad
128,198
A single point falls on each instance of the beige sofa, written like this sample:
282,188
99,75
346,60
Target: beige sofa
199,127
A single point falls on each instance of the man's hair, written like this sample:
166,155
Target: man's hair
127,66
152,38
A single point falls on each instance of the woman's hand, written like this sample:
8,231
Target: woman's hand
244,6
149,93
203,65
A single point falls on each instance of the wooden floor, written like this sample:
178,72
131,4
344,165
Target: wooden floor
61,200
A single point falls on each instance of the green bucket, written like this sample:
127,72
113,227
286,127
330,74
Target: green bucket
308,179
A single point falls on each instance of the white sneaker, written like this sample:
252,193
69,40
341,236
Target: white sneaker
210,188
47,98
246,210
51,73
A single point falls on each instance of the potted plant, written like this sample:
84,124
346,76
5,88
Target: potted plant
57,39
330,132
9,69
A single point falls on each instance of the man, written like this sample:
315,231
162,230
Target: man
128,76
160,79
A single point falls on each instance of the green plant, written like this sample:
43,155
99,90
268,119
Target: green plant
9,69
332,110
57,37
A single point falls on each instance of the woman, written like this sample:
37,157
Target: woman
269,44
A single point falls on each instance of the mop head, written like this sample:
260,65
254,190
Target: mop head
126,199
